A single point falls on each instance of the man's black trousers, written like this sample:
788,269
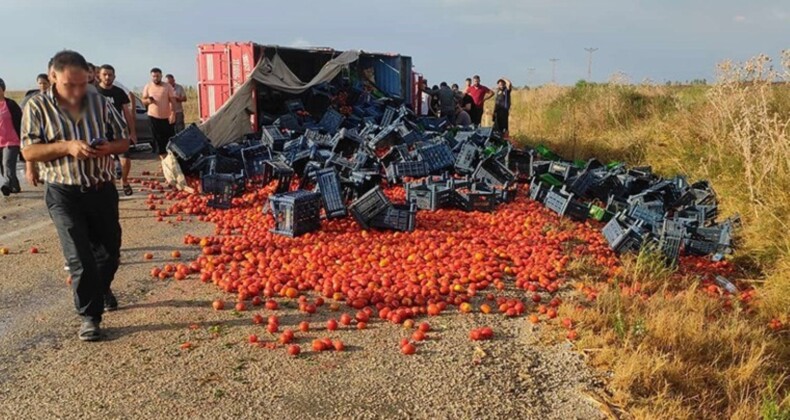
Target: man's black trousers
90,236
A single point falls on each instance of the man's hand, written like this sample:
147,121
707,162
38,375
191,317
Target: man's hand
133,138
102,149
31,174
172,118
81,150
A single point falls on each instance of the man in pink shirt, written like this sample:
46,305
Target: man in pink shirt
160,98
480,94
10,120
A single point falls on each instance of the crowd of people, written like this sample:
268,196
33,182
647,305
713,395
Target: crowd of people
164,103
464,108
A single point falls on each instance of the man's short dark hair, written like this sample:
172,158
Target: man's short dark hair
69,58
443,84
455,86
107,67
468,79
169,76
476,77
42,76
156,70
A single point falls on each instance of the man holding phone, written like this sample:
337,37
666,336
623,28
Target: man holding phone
72,135
160,98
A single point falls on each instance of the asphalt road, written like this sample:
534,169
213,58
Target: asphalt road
139,370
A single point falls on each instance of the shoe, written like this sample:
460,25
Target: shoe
5,190
110,302
127,190
89,331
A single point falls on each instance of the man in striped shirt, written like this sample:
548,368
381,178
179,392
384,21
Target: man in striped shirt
72,134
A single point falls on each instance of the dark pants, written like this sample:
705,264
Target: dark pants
179,125
90,237
501,117
162,131
476,114
8,158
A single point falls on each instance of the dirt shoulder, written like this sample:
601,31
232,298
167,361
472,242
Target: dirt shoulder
140,371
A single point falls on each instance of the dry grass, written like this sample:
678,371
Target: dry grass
678,353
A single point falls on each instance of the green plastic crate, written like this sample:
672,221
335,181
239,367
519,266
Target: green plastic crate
600,214
546,153
550,180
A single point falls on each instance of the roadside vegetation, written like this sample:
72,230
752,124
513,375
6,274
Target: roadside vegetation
671,348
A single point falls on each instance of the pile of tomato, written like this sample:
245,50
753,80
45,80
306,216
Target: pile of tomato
511,261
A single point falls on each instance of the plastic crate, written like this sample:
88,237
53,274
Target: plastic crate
466,161
540,167
346,142
600,214
389,116
549,179
400,217
583,182
437,157
385,138
294,105
331,120
538,190
493,172
520,163
566,206
646,214
476,199
670,247
274,170
564,170
222,188
414,169
274,138
319,139
698,247
331,195
427,196
254,158
545,153
289,122
623,239
360,182
189,143
295,212
368,206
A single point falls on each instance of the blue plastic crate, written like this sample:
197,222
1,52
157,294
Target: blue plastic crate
476,197
398,217
621,238
274,138
368,206
466,161
331,195
296,212
428,196
254,158
275,170
331,121
414,169
520,163
565,205
389,116
189,143
438,157
493,172
222,188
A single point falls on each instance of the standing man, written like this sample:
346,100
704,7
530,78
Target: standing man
10,120
467,85
160,98
42,81
120,101
425,99
72,134
178,107
480,94
502,105
446,99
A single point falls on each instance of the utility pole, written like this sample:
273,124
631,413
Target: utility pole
530,73
590,50
554,69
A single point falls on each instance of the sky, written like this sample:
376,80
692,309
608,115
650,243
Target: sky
450,40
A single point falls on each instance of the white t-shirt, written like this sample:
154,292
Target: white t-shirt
425,105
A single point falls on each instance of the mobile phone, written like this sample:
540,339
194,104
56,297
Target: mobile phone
97,141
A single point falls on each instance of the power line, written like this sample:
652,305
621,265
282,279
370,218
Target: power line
554,69
590,50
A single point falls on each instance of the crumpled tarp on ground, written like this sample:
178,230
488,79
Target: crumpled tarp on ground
232,120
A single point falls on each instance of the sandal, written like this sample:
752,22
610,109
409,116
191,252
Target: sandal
127,190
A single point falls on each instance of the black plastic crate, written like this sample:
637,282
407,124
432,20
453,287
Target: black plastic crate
493,172
331,194
222,188
414,169
646,214
565,205
437,157
289,122
331,120
428,196
476,198
400,217
275,170
538,190
385,138
698,247
670,247
296,212
254,158
319,139
520,163
346,142
294,105
368,206
583,182
274,138
360,182
466,161
189,143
